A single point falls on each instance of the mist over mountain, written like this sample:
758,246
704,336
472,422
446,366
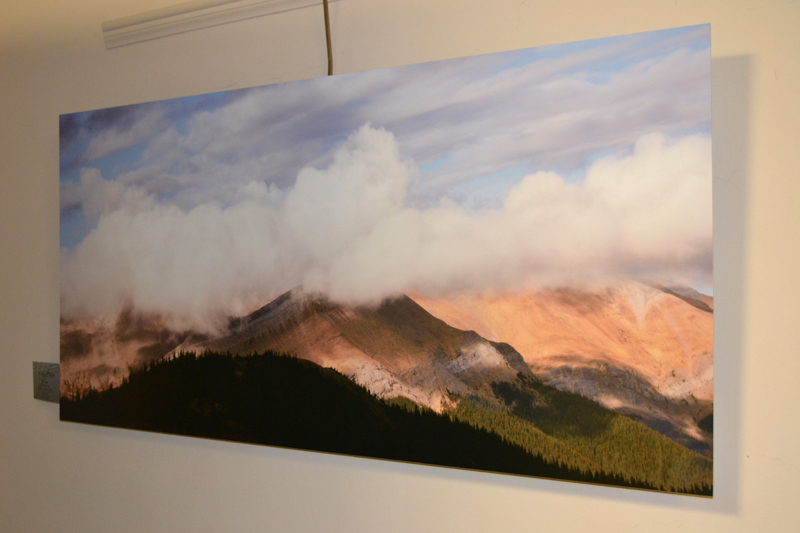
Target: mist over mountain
351,231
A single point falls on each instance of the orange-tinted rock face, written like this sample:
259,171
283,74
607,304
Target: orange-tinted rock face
653,331
640,350
396,349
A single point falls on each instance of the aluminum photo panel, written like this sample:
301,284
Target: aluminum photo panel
501,262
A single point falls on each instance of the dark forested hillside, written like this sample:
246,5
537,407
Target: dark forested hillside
576,431
284,401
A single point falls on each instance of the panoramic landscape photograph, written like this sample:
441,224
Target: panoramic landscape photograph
501,263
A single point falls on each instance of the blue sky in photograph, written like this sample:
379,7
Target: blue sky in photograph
463,102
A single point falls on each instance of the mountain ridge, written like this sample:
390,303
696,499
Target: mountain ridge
643,350
395,349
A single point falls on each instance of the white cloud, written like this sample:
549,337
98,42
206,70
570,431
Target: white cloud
328,210
346,230
644,215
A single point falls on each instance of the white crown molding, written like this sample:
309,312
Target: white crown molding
191,16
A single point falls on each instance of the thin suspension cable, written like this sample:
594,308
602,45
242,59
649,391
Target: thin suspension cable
328,37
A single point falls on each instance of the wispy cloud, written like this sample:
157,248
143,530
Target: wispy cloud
550,108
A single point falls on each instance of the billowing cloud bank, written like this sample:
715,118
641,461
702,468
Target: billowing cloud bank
347,231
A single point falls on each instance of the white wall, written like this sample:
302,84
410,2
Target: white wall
67,477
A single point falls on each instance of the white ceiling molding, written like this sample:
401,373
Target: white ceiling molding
190,16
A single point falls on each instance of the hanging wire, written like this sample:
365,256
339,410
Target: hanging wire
328,37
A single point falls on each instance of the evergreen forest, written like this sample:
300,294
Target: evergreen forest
278,400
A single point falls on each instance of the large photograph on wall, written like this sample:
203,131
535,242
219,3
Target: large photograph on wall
500,263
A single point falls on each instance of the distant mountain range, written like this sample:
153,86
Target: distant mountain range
549,372
643,351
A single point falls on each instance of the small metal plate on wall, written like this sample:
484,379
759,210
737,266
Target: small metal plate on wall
46,381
